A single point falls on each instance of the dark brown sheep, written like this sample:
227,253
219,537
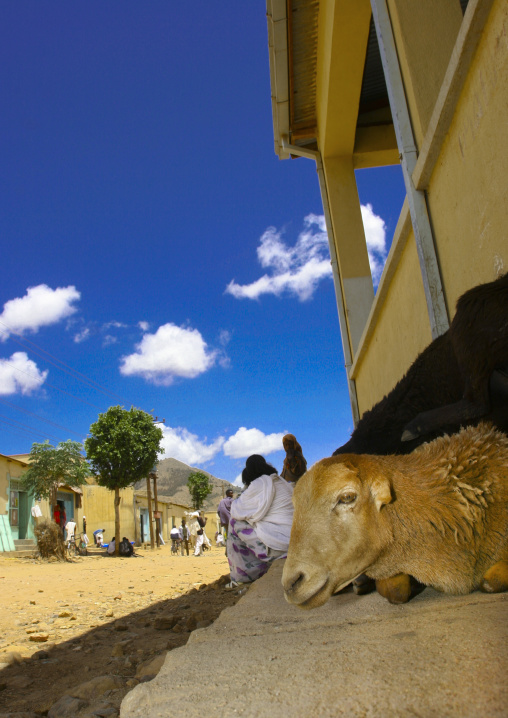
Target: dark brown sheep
439,514
447,386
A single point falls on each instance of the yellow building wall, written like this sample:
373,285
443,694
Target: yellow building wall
99,509
402,332
8,469
468,206
171,514
468,191
11,469
425,34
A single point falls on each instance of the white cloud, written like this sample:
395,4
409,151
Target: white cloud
144,326
108,340
238,481
83,335
375,235
224,337
296,270
113,325
180,444
252,441
20,375
299,269
41,306
223,359
171,352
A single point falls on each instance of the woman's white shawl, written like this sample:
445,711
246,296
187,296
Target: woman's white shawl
266,504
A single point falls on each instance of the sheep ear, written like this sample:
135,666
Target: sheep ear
381,491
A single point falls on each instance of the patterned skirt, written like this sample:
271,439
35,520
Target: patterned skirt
249,558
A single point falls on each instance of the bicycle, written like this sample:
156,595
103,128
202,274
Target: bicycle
72,549
76,549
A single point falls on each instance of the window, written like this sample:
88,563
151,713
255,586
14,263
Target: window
14,508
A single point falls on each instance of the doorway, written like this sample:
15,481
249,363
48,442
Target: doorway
145,527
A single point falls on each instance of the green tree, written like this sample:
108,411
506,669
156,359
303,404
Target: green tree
122,448
200,487
54,465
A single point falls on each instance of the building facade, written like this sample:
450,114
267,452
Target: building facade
15,504
358,84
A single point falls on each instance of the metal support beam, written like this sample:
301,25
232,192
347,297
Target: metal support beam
346,347
436,306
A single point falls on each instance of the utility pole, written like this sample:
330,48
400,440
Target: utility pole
156,510
155,516
150,517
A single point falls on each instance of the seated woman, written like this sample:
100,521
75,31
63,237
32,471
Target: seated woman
260,523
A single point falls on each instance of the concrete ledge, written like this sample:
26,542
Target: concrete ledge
355,656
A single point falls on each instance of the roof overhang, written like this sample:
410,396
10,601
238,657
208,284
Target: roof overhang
9,458
276,13
75,489
328,90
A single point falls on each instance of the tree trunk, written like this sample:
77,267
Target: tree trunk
52,499
117,521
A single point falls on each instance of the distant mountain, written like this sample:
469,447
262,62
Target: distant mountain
172,478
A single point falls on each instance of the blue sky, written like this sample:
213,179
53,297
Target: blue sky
154,243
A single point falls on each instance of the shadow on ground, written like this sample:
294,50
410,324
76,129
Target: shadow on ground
123,651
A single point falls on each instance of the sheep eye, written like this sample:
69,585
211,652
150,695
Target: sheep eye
347,498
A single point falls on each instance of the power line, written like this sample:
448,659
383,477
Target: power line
41,418
74,373
27,429
15,432
46,383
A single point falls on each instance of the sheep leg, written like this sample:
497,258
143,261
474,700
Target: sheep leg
400,588
429,421
362,584
396,589
496,578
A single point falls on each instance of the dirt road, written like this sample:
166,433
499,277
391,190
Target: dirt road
63,624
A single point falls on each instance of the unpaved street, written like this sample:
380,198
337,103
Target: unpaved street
63,624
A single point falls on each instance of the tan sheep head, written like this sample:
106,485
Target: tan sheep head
338,531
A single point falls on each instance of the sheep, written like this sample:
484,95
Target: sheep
448,384
479,338
439,514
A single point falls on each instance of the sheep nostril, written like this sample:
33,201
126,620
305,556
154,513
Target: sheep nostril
295,582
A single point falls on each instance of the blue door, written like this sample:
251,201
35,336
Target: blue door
66,501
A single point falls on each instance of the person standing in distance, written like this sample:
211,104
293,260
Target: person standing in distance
199,537
224,511
184,536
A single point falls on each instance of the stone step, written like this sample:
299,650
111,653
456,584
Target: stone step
19,553
24,544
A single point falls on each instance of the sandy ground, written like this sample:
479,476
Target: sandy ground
63,624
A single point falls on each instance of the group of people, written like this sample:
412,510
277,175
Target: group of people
258,522
68,528
126,548
193,534
256,525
